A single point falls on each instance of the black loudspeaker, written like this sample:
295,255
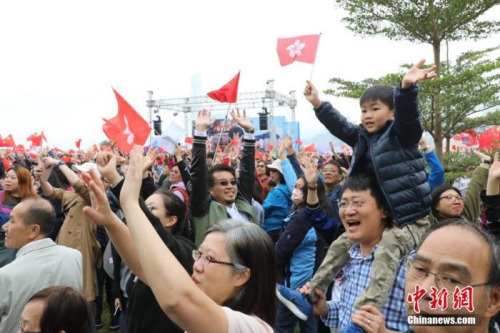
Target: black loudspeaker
263,120
157,125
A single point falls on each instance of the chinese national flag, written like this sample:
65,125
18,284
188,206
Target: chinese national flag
36,140
301,48
228,92
127,128
77,143
9,141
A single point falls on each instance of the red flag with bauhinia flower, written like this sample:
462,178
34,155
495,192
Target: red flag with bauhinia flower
9,141
36,139
77,143
228,92
301,48
127,128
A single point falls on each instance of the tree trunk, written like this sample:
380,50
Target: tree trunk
438,129
448,139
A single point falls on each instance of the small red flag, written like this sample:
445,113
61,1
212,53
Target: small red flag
6,162
311,148
270,147
189,140
77,143
127,128
228,92
9,141
301,48
298,142
1,141
19,149
36,139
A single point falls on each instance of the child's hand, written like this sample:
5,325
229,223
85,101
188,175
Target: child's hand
416,74
311,94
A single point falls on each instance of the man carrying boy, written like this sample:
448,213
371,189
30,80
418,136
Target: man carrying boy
385,147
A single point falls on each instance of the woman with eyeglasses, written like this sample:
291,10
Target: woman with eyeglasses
447,200
231,288
167,216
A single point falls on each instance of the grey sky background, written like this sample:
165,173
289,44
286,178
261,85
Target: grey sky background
60,59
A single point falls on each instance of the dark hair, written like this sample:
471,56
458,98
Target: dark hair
335,163
362,182
268,172
39,211
67,310
210,154
493,245
175,207
218,168
321,192
250,247
436,194
383,93
257,192
43,294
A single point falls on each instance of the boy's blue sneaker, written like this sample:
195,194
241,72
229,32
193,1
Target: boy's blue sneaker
294,301
352,328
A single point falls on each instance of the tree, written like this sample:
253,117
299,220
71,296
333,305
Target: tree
469,87
422,21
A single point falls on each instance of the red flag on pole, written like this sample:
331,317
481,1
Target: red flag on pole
36,139
9,141
301,48
77,143
127,128
228,92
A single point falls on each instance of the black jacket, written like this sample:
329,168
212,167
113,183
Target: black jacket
393,151
491,205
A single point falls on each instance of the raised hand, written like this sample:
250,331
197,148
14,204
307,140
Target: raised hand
482,155
495,167
106,164
310,173
416,74
311,94
242,120
132,185
99,211
288,142
203,121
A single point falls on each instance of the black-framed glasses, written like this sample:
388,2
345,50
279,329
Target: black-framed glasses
205,260
225,182
452,197
419,272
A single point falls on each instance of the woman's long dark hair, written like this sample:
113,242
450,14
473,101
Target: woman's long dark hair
175,207
321,197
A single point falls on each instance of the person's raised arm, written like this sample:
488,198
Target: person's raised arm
183,169
436,175
288,172
198,201
406,113
493,184
42,172
246,179
173,288
292,155
70,175
472,201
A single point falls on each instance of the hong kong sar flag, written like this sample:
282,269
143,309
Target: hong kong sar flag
301,48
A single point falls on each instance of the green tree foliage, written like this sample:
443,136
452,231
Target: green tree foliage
423,21
468,86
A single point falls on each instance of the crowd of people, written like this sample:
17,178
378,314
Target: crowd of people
204,241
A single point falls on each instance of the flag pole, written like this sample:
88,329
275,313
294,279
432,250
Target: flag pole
221,130
315,55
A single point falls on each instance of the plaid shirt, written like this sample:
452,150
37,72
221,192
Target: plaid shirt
355,279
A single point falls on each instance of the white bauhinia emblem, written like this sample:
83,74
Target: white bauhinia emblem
130,137
296,48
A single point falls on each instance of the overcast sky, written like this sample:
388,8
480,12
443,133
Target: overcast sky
60,59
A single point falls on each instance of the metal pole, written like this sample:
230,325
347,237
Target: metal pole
149,104
271,94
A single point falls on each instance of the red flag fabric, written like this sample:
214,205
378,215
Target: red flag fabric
311,148
36,139
189,140
19,149
6,162
77,143
490,138
228,92
9,141
1,141
127,128
270,147
298,142
301,48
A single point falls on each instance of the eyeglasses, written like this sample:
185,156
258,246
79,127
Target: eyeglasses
226,182
22,330
355,204
452,197
420,272
205,260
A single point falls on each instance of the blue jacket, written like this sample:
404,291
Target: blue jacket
436,176
299,250
393,151
278,202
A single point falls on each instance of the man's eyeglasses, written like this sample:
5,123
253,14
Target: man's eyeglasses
205,260
452,197
226,182
355,204
442,280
